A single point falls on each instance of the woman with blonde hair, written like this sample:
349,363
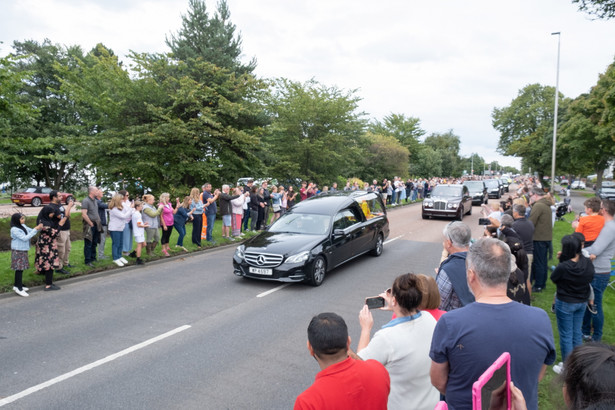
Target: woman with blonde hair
118,214
197,208
167,221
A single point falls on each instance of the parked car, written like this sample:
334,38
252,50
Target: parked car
494,189
606,192
564,181
577,185
452,201
314,237
478,191
37,196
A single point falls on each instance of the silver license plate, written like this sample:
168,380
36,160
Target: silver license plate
261,271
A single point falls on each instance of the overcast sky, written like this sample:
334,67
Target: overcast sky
449,63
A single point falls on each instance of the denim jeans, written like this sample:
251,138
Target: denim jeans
246,219
127,237
117,241
569,321
197,227
210,226
181,230
600,282
539,264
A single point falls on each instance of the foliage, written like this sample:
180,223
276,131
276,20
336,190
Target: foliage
602,9
385,156
43,147
447,146
426,163
406,130
526,126
211,38
315,131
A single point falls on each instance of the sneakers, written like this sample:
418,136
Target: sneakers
21,292
165,252
133,254
52,287
139,261
123,260
118,262
25,288
63,271
587,338
592,308
558,368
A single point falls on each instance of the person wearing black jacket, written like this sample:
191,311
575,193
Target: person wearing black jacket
572,277
253,207
525,229
267,198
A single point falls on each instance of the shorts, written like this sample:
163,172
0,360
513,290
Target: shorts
139,238
226,220
152,234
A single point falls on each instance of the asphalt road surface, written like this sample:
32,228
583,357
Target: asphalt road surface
186,333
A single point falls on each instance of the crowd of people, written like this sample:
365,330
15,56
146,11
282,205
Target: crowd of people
433,354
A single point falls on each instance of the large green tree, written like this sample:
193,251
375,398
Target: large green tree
526,126
407,130
315,132
43,147
447,145
212,38
426,163
384,156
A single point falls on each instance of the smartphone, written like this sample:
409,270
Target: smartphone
484,221
374,302
494,377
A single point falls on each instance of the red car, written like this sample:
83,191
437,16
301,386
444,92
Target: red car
37,196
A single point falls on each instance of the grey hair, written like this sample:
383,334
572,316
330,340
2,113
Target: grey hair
92,188
490,259
520,209
507,220
225,187
458,233
538,191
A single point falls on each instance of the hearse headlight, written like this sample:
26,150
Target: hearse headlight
452,205
239,252
298,258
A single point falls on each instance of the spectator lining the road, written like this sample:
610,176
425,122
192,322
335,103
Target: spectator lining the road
46,248
402,345
20,245
451,275
591,224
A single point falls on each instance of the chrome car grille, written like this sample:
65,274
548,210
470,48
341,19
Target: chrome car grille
263,260
440,205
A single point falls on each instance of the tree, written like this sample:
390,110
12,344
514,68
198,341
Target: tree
587,138
406,130
602,9
315,131
447,145
526,126
385,156
211,38
426,163
42,147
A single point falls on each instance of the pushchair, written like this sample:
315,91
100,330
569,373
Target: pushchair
562,208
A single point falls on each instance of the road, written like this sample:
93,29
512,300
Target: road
186,333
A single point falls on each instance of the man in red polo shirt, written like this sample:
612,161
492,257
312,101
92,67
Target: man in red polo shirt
343,382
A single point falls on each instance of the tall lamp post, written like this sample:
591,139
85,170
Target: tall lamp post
555,114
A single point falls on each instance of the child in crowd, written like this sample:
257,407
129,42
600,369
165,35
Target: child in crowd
138,229
20,245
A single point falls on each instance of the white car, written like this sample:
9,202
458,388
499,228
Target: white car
577,185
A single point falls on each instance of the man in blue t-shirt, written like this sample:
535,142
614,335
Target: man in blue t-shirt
467,341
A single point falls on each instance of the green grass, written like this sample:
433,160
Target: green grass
550,388
30,278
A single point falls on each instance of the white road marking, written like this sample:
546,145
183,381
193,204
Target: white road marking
260,295
393,239
90,366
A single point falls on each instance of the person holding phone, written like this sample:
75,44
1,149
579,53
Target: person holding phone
402,345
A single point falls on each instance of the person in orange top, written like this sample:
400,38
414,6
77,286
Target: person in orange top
590,225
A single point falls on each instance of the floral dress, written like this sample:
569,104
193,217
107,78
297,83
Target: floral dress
47,250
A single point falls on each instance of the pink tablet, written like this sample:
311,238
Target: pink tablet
494,377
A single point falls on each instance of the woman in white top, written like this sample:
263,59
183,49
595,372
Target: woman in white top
237,211
119,213
402,346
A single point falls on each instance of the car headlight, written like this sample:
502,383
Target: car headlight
452,205
239,252
298,258
428,204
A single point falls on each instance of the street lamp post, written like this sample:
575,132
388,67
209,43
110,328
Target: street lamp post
555,114
472,168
